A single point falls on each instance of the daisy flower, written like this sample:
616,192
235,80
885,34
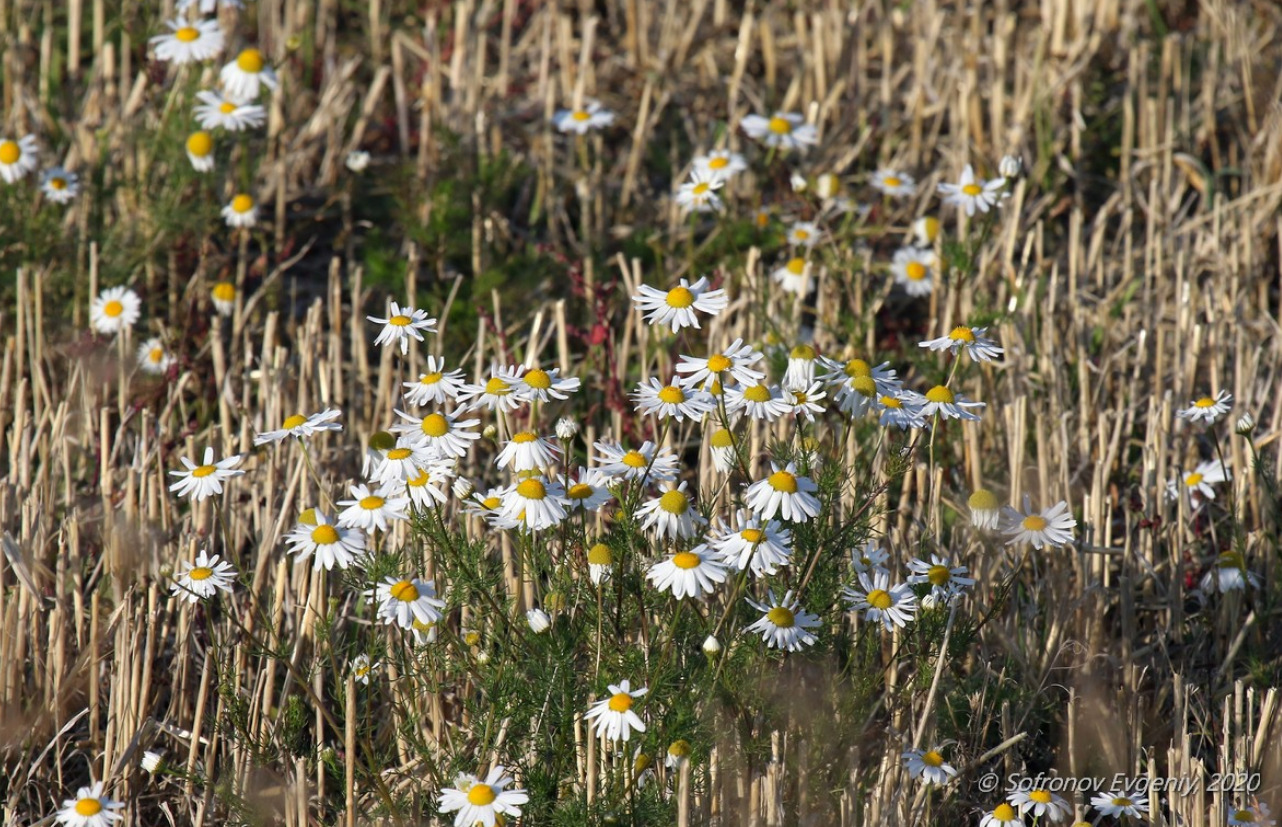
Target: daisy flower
757,401
902,409
1003,815
581,121
401,602
302,426
1199,482
441,434
1010,166
600,563
1052,527
202,481
881,602
699,194
940,400
971,193
1229,573
912,268
223,296
589,491
805,403
363,669
803,234
17,158
672,400
762,549
721,446
845,375
1250,816
925,230
59,185
401,324
614,717
115,309
737,360
720,163
153,357
1043,804
946,580
871,558
527,451
892,182
538,620
783,624
787,130
244,77
677,306
671,515
357,160
501,391
329,544
928,765
692,573
1133,804
202,579
371,510
1206,409
971,338
793,275
485,802
90,808
200,151
985,510
424,484
649,462
539,385
241,211
188,42
537,503
678,754
783,493
217,112
403,462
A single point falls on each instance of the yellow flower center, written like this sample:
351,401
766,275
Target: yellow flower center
686,560
88,807
308,517
580,115
796,266
405,591
722,439
1244,815
1040,796
200,144
680,297
242,203
324,535
679,748
156,355
201,573
1230,560
399,320
674,502
864,385
113,308
718,363
1193,479
972,189
757,393
491,503
856,368
880,599
497,387
227,107
891,181
962,334
10,152
481,795
1122,802
224,291
430,378
752,535
801,235
700,188
293,421
524,437
784,481
780,126
782,617
600,555
435,425
621,702
538,378
1004,812
718,162
1034,522
371,503
532,490
915,270
58,183
940,394
799,397
939,575
932,758
982,500
187,34
672,395
251,61
203,471
891,402
579,491
399,453
634,459
802,352
1204,402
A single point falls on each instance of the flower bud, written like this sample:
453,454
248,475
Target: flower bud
566,428
711,646
463,488
538,620
798,182
1010,167
357,160
1245,425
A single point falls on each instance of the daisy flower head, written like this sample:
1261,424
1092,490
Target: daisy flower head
527,451
202,579
401,324
803,234
442,435
928,765
1124,803
946,580
942,401
786,130
535,502
758,401
763,549
59,185
403,461
785,493
721,164
501,392
1003,815
871,558
1208,410
357,160
538,620
188,42
115,309
600,563
1251,815
363,668
1051,527
486,803
614,717
202,481
90,808
913,268
783,623
985,509
583,120
721,446
699,194
678,754
216,112
327,544
649,463
302,426
539,385
588,491
971,339
677,306
893,183
737,360
200,151
881,602
925,230
153,357
1198,483
1229,573
672,515
673,400
971,193
693,573
372,511
902,409
858,383
1043,804
425,484
244,77
806,402
436,386
223,295
403,601
800,372
793,276
17,158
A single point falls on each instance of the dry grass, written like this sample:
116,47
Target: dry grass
1133,269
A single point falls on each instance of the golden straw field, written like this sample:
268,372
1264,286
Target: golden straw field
640,412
